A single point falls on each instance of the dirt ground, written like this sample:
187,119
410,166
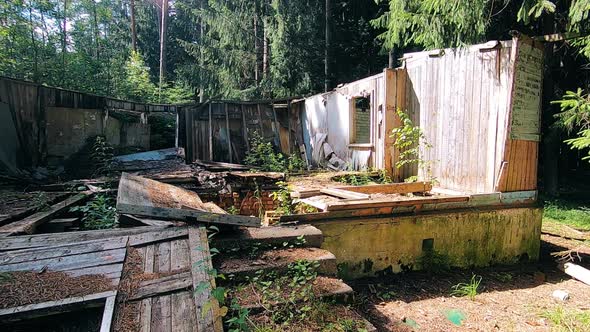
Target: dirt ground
509,298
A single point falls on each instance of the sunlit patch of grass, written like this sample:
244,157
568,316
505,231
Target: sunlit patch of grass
570,320
467,289
574,214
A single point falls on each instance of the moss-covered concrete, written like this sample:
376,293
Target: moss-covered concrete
366,247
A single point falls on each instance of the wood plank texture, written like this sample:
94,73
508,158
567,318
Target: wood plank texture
54,307
200,264
141,196
30,223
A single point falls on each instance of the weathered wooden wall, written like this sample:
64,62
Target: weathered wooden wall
327,117
206,127
29,104
462,100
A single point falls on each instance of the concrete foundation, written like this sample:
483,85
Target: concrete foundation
368,247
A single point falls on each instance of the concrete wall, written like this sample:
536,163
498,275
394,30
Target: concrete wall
470,238
68,130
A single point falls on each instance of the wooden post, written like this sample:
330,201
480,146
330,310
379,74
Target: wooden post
245,127
289,126
210,135
231,158
260,120
276,126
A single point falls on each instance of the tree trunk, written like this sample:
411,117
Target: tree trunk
64,44
202,53
327,59
256,43
551,139
133,31
36,63
265,51
163,43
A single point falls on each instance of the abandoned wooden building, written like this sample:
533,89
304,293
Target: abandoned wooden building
477,107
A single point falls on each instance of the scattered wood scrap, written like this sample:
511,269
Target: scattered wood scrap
145,197
30,223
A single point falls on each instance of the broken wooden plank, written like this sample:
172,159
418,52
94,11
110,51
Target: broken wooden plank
145,197
276,235
30,223
168,284
37,254
107,315
392,188
69,262
127,219
31,311
58,239
344,194
151,237
392,202
203,283
316,204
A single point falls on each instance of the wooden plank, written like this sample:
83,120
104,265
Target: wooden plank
167,284
179,255
161,314
31,311
200,264
36,254
231,157
107,315
245,128
69,262
141,196
145,315
29,224
151,237
393,188
390,203
210,135
183,315
53,240
317,204
111,271
150,258
344,194
163,257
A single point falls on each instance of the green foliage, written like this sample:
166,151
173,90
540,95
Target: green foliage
283,197
357,179
434,261
575,113
101,156
263,155
137,84
98,213
570,320
295,164
433,23
410,141
41,201
467,289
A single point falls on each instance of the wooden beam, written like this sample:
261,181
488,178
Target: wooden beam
210,135
392,203
202,281
245,127
393,188
168,284
36,310
344,194
107,315
29,224
231,157
145,197
316,204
